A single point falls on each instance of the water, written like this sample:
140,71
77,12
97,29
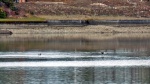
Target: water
75,75
75,59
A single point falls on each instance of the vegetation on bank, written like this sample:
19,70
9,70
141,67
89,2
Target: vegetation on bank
9,12
32,18
87,17
70,17
76,10
7,8
8,3
132,8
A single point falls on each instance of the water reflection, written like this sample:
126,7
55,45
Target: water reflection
77,42
70,75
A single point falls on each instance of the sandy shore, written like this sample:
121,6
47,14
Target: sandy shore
81,29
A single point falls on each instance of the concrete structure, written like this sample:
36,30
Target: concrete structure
20,1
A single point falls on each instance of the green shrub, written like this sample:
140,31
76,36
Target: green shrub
3,14
31,12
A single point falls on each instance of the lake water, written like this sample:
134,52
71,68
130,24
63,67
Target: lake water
75,59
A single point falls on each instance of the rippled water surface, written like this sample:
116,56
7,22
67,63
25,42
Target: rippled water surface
75,59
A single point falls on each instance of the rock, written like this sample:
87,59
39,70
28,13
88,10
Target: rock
5,32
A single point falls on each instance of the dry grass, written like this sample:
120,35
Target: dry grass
32,18
86,17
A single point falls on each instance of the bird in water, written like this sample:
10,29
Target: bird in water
39,54
102,52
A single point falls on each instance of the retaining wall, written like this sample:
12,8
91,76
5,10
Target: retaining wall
78,22
68,22
111,22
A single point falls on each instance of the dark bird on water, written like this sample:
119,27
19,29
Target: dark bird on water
102,52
